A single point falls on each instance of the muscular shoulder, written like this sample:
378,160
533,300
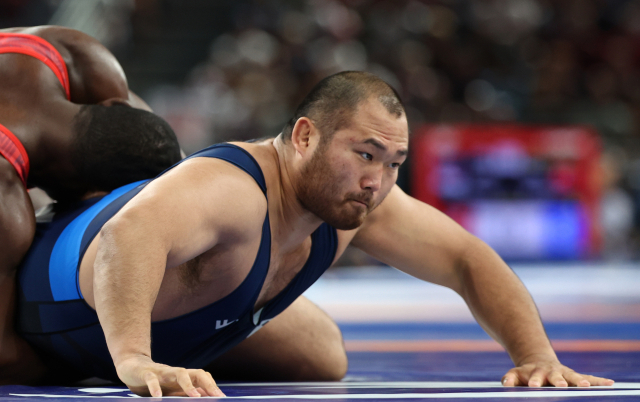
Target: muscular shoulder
265,154
60,37
213,192
94,73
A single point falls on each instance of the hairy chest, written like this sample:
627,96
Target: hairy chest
217,273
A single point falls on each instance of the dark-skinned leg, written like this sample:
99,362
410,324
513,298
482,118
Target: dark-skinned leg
301,344
18,362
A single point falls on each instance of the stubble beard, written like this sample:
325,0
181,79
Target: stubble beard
318,192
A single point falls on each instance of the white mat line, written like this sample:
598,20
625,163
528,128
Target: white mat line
451,395
80,396
458,395
405,384
376,384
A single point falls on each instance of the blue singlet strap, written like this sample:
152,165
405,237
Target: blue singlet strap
237,156
64,261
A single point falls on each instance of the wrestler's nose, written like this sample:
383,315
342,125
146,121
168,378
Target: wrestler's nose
372,181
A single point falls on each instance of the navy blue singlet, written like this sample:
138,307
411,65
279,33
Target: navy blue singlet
53,316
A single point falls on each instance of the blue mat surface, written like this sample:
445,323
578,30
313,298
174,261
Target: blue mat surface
403,376
600,311
397,391
426,330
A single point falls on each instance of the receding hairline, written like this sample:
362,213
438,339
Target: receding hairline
333,102
393,112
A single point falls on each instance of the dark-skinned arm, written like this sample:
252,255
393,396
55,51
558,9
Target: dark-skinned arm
19,364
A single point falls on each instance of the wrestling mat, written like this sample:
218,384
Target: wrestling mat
409,340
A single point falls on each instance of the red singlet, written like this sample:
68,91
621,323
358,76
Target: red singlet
10,147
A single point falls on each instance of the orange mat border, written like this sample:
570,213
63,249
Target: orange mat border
487,346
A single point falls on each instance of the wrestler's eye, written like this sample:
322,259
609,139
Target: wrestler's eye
366,156
394,165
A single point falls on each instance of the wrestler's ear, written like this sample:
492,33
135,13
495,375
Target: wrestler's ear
303,135
115,101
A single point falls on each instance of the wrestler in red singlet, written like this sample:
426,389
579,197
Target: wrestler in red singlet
69,125
10,42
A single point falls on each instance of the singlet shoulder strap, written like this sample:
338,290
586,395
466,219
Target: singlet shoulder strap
237,156
35,46
324,244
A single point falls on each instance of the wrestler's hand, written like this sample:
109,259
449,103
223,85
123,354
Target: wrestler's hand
539,371
147,378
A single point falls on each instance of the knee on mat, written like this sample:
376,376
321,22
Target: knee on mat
330,364
327,369
336,368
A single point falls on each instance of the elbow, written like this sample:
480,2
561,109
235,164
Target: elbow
117,235
114,229
131,234
131,221
470,261
109,245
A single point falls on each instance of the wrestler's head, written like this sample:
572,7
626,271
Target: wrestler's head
118,144
357,135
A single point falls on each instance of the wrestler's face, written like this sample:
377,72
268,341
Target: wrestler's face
350,174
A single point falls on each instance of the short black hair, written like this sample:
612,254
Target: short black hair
333,101
117,145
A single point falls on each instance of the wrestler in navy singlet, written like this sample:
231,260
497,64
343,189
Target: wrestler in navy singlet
53,316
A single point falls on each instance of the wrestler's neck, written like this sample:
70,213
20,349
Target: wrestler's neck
51,141
295,223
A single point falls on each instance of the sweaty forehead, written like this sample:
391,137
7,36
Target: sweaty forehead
373,118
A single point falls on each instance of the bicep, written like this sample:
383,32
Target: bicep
416,238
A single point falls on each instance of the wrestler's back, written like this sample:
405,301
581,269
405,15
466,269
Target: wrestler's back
40,112
32,104
33,107
94,73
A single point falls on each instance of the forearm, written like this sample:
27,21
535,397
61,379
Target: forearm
502,305
128,272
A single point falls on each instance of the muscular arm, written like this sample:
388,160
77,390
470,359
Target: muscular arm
175,219
423,242
18,362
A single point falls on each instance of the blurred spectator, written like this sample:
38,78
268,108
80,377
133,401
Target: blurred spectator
490,60
616,207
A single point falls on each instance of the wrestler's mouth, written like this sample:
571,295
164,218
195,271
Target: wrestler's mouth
363,203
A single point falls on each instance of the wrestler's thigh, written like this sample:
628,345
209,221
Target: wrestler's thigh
301,344
17,220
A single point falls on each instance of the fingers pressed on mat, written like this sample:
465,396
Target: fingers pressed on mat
576,379
538,378
205,381
153,384
556,379
184,380
511,379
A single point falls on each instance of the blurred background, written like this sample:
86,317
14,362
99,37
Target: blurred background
524,114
